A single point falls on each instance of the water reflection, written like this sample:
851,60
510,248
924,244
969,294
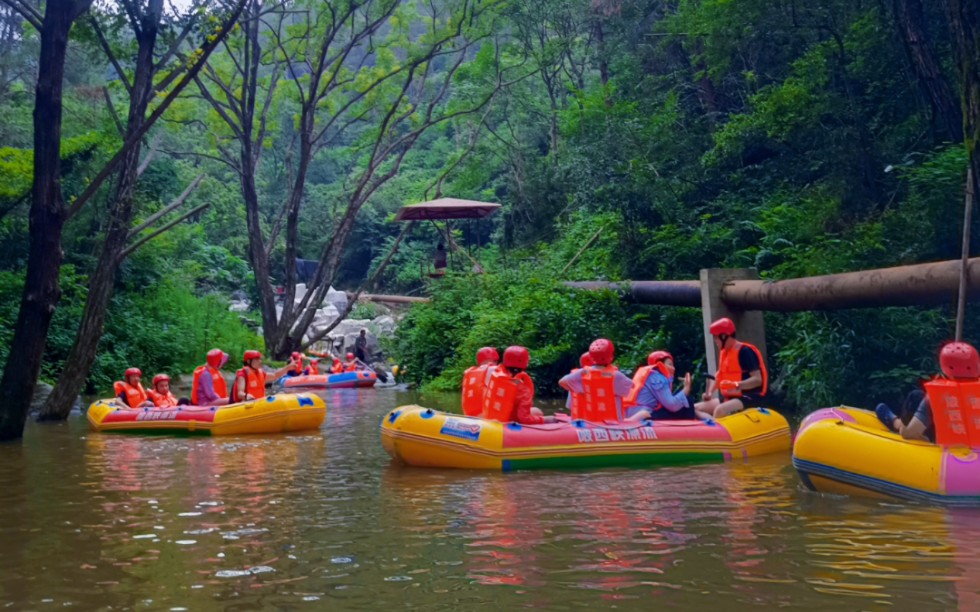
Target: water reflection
267,522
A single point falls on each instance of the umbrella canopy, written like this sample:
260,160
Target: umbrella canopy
446,208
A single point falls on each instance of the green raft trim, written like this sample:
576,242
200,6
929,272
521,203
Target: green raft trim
613,460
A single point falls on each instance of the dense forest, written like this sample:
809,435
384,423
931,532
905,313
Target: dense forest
156,158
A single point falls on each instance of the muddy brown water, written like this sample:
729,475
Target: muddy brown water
293,522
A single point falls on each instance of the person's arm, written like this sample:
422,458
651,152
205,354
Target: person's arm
622,384
711,390
240,389
205,390
282,371
572,382
672,402
123,399
749,362
524,399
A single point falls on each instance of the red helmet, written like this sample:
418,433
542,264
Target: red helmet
250,355
487,353
959,360
296,355
585,360
659,356
602,351
516,357
159,378
216,358
722,326
314,360
350,356
133,372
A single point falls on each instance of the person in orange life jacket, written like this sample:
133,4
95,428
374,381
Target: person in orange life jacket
129,391
208,387
741,381
589,382
957,361
337,367
652,396
351,364
510,391
314,369
161,395
475,380
573,402
250,380
295,367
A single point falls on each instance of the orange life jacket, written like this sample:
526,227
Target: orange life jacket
134,395
599,393
640,381
314,369
729,372
350,366
955,411
220,386
577,407
337,367
475,387
498,402
162,400
254,384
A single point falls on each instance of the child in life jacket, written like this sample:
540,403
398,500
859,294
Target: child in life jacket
475,380
510,391
130,392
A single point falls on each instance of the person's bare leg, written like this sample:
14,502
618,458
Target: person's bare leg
707,407
730,407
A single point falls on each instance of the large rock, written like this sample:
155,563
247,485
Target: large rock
41,393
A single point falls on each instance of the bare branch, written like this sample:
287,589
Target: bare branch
149,157
112,56
25,10
112,111
129,250
209,46
177,203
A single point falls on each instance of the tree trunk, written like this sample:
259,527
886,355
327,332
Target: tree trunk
928,70
47,219
83,351
964,23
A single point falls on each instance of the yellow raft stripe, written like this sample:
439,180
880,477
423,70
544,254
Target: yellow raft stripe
204,425
592,449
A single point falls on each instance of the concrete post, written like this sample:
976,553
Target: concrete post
749,324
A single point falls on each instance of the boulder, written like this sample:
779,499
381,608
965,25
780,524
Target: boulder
41,393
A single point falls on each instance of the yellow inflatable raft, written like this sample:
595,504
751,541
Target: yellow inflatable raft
272,414
424,437
849,451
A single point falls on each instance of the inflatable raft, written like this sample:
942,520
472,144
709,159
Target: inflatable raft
359,378
849,451
424,437
272,414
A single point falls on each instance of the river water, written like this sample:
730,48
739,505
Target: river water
293,522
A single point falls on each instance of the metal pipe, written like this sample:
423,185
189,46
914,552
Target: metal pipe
926,284
917,285
664,293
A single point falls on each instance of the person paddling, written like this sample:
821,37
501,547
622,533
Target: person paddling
250,380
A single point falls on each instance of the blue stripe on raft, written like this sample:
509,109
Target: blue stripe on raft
878,485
